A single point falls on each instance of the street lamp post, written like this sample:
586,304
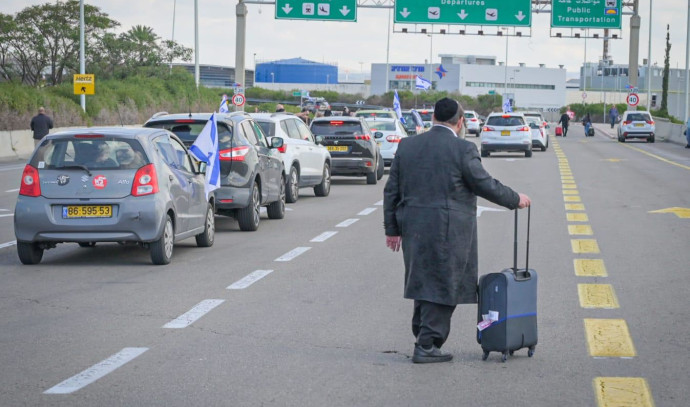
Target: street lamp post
649,60
254,84
687,68
82,64
431,53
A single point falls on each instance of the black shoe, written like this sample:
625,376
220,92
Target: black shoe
431,355
688,146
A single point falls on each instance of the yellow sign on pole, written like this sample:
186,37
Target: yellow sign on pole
84,84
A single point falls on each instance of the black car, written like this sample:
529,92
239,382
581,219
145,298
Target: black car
251,169
353,148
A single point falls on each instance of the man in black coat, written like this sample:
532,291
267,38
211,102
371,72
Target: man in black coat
565,119
430,207
40,125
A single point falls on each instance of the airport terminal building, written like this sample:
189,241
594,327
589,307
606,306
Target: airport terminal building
531,87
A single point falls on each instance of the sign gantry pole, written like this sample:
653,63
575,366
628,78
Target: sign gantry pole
82,64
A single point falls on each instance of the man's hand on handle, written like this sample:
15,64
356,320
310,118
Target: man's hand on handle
393,242
524,201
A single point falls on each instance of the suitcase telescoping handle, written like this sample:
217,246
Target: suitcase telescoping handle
515,245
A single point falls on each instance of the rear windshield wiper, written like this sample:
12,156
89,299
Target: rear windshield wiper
75,167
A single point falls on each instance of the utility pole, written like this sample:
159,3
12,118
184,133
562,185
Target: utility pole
687,67
196,43
82,63
241,11
649,61
634,47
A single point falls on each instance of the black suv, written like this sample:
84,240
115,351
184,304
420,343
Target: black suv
252,172
353,149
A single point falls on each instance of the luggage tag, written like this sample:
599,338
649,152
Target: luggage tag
487,320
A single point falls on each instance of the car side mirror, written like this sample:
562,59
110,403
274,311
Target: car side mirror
427,125
319,139
276,142
378,134
202,168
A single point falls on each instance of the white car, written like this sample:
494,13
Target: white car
506,132
636,124
388,134
473,123
540,136
307,162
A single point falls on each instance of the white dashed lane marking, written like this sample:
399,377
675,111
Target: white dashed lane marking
8,244
379,203
193,314
96,371
323,237
250,279
13,190
346,223
366,211
292,253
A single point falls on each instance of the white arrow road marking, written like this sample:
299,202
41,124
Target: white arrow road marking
405,13
323,237
8,244
287,9
346,223
249,279
520,16
481,209
366,211
292,254
379,203
193,314
462,14
13,190
96,371
345,11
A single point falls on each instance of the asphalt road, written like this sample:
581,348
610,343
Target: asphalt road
329,327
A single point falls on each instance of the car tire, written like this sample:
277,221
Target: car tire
162,249
485,153
650,140
86,244
380,168
622,139
276,210
29,253
206,238
324,188
543,148
249,217
528,153
371,178
292,187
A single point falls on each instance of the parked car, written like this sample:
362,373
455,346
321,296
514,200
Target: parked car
414,124
316,103
354,151
636,124
540,136
472,122
388,134
112,185
367,114
427,116
251,169
506,132
306,161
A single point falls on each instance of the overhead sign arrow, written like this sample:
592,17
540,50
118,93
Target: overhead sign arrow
405,13
345,11
287,9
683,213
520,16
462,14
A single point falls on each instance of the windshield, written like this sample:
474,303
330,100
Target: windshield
505,121
381,125
332,128
91,152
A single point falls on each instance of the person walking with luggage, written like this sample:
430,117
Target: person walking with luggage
419,202
41,125
587,122
564,120
613,115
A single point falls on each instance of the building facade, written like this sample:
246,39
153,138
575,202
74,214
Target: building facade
296,70
216,76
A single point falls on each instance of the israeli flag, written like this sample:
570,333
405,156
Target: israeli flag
224,105
421,83
507,108
205,149
396,107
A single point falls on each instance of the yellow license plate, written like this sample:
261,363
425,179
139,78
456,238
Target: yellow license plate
337,148
505,132
87,211
639,125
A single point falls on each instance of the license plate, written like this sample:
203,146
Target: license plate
505,132
87,211
379,143
639,125
337,148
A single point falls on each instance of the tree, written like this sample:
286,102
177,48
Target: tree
667,68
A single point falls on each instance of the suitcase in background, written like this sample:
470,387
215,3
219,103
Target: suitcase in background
507,311
590,132
559,131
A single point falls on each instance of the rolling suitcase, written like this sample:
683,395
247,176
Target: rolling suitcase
507,311
590,132
559,131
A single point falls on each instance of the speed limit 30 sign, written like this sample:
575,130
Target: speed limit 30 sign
633,99
238,99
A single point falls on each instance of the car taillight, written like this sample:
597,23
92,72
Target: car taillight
487,128
393,139
234,154
363,137
30,182
525,128
627,122
650,121
282,149
473,120
145,181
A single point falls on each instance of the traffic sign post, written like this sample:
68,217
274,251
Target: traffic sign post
601,14
331,10
84,84
633,99
238,99
486,12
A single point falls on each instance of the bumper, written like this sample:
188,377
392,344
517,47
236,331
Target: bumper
388,155
228,197
538,143
632,134
514,147
352,166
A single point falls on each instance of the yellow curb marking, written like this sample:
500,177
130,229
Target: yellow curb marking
568,185
597,296
585,246
572,199
683,213
570,192
609,338
577,217
622,392
580,230
566,177
575,207
590,268
614,160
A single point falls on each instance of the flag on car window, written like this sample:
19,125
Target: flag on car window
205,149
224,105
396,107
421,83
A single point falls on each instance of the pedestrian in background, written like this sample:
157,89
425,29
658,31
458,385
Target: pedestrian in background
587,122
41,125
687,133
280,108
613,115
565,119
430,210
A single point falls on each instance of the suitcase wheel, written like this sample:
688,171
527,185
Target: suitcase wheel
485,355
504,357
510,352
530,352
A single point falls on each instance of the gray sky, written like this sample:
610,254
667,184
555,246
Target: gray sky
348,44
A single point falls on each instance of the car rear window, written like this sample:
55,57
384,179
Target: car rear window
368,115
426,115
638,117
188,130
505,121
470,115
381,125
336,127
93,152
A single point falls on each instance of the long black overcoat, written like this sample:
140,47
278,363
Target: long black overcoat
430,200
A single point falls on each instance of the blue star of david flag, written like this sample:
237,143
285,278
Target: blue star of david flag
421,83
396,107
224,105
205,149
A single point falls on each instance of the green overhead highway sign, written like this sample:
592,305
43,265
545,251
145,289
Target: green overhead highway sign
331,10
586,14
465,12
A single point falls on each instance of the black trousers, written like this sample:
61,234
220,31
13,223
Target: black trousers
431,323
565,130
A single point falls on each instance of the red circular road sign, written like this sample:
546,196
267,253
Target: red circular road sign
238,99
633,99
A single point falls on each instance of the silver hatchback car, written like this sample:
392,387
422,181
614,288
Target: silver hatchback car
112,185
